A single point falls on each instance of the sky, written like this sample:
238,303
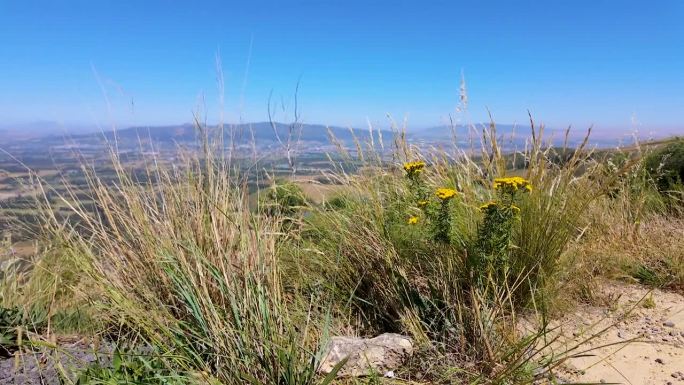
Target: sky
616,65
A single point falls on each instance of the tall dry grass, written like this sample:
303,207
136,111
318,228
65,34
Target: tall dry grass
388,274
634,230
179,262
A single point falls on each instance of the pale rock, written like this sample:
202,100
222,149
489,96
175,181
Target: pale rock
381,354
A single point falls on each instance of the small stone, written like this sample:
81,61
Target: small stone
659,360
602,381
674,375
669,324
538,372
364,356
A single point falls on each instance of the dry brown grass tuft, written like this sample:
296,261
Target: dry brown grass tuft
649,251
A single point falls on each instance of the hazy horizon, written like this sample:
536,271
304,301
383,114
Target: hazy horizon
613,65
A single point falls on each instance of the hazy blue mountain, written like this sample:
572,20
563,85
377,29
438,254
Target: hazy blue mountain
507,135
41,128
262,132
446,132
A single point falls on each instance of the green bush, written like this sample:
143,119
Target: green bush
15,321
10,320
666,165
337,202
282,199
130,369
412,253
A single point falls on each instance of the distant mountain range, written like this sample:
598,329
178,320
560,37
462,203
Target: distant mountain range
463,133
263,133
266,134
515,135
40,129
260,132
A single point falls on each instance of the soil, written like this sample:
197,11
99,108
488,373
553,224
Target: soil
44,365
642,339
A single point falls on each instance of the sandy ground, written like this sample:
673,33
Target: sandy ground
642,342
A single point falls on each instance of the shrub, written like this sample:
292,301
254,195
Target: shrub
10,321
15,322
48,290
491,253
282,199
412,255
337,202
132,368
666,165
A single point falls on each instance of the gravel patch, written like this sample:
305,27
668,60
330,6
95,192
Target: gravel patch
41,366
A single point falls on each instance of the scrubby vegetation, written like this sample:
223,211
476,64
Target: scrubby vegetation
449,248
666,165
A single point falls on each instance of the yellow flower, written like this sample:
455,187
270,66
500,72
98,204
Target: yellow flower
412,168
445,193
422,204
412,220
515,209
488,205
514,183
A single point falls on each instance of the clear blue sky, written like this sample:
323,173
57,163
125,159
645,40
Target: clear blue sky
607,63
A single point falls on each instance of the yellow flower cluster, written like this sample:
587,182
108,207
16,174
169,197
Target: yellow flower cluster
422,204
414,167
491,204
412,220
488,205
445,193
514,183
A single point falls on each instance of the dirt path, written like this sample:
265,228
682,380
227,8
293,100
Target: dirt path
643,342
